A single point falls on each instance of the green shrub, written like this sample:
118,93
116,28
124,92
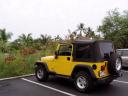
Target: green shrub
21,65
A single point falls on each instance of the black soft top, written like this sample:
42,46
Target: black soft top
95,50
89,41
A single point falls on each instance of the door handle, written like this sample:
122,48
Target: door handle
68,58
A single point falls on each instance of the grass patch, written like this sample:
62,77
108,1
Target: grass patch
21,65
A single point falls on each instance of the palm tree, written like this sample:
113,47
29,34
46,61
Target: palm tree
90,33
44,39
4,47
81,29
83,32
4,36
15,45
71,35
26,40
57,38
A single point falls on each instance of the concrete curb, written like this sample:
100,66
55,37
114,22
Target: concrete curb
15,77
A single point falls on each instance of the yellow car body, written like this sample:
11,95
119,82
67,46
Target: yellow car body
86,62
62,66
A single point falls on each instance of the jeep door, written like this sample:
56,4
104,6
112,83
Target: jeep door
63,62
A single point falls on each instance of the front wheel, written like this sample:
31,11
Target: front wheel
41,73
83,82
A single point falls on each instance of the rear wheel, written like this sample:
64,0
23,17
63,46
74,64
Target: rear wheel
83,82
114,64
118,64
41,73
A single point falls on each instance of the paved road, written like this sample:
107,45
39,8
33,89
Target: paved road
57,86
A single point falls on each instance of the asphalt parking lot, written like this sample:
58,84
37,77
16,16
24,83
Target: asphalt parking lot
56,86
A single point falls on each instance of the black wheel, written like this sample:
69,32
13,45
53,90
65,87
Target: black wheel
115,64
118,64
83,82
41,73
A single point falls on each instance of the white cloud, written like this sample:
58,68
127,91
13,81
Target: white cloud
53,16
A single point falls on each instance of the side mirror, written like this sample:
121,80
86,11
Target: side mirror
56,54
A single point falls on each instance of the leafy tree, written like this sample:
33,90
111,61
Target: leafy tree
42,42
90,33
4,47
81,28
4,37
82,32
57,38
37,44
44,39
115,27
71,36
25,40
15,45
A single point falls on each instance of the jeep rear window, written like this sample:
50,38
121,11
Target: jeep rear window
83,51
106,48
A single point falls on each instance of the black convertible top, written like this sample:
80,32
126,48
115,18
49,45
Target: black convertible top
83,41
91,50
89,41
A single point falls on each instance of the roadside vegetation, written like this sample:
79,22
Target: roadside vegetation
18,57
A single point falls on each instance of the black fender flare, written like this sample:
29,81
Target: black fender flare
42,64
86,68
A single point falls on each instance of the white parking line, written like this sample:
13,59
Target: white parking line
121,81
60,91
124,71
16,77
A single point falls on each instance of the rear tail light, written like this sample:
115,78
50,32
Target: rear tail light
102,68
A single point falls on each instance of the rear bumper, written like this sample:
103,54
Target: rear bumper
109,78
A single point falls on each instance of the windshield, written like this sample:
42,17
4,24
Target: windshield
106,48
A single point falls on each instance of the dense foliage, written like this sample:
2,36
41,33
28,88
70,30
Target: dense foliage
115,27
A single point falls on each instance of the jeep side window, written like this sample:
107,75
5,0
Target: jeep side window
65,50
83,52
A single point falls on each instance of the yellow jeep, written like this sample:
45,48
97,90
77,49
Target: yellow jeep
85,61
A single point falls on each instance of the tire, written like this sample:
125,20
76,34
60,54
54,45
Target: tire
120,67
112,64
41,73
83,86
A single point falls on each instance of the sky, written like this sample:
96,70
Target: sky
54,17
